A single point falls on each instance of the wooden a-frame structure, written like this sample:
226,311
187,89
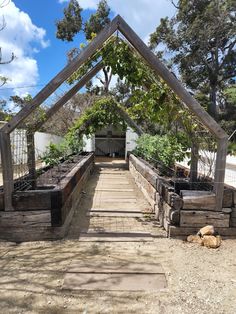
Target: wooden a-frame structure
117,24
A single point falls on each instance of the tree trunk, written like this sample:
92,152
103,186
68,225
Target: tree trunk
107,81
212,108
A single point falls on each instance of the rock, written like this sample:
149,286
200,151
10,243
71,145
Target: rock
194,239
207,230
211,241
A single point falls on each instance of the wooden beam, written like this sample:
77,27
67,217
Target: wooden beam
220,171
7,169
31,158
62,76
129,121
63,100
194,164
161,70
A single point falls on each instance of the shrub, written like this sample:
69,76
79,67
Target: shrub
165,149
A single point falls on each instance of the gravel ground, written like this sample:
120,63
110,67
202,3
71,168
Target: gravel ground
200,280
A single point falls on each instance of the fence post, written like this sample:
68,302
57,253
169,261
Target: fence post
7,169
220,171
31,158
194,163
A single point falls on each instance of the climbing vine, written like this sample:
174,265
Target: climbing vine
102,114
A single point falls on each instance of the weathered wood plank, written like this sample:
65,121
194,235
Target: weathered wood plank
190,218
170,214
220,171
31,158
175,201
194,163
198,200
25,218
32,200
228,198
183,232
7,169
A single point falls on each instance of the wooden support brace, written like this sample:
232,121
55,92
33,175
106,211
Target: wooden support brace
220,171
194,163
31,158
129,121
7,170
63,100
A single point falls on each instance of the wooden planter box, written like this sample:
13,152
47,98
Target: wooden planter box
45,214
179,209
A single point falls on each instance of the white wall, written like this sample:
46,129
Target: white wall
42,140
19,144
131,138
89,143
130,144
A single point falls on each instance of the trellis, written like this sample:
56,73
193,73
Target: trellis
117,24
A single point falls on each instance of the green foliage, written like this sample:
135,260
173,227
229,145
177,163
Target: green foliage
102,114
97,21
35,116
53,155
165,149
228,114
57,152
201,41
71,23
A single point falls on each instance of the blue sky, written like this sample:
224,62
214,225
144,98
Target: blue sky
30,34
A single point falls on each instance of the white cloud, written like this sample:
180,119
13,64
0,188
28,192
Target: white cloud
142,15
23,38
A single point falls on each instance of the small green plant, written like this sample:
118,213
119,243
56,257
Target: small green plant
56,152
53,155
165,149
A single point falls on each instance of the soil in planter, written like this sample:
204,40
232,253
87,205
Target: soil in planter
178,178
52,176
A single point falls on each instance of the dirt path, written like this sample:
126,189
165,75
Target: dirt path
199,280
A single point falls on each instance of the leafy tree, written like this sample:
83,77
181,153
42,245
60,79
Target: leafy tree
201,40
72,23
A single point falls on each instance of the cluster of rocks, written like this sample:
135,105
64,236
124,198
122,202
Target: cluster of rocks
206,236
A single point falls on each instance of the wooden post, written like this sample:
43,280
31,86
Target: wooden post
220,171
31,158
194,163
7,170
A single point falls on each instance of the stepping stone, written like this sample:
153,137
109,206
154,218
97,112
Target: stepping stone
114,214
116,209
114,276
113,190
85,238
103,233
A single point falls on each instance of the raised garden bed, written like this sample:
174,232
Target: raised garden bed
45,213
178,205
